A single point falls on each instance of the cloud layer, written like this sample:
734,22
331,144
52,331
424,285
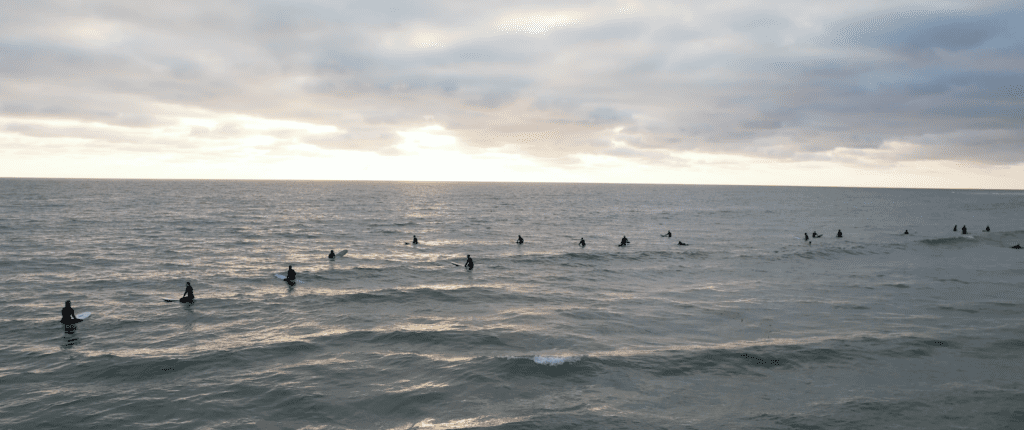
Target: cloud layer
553,82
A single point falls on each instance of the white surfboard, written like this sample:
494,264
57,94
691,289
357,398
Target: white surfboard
341,253
282,277
82,316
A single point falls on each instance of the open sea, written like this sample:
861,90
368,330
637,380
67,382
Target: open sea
747,327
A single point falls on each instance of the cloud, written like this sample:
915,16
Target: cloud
790,81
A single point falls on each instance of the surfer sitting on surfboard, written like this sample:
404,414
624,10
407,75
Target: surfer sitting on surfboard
188,297
469,263
520,241
331,255
291,274
68,314
582,242
624,241
415,240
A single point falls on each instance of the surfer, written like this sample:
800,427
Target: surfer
805,237
906,231
469,263
624,241
840,234
582,243
683,244
67,315
331,255
669,234
815,234
963,230
188,297
954,228
415,240
1017,246
987,229
291,274
520,240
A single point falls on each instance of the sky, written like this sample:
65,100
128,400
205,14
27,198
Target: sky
922,94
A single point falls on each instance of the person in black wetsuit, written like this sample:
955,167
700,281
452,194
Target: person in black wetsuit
469,263
520,240
963,229
582,243
681,243
815,234
954,228
291,274
906,231
1017,246
67,315
669,234
806,238
624,241
188,297
415,240
987,229
840,234
331,255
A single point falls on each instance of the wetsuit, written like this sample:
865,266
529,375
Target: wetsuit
291,274
415,241
67,315
331,255
189,297
582,242
469,263
520,241
840,234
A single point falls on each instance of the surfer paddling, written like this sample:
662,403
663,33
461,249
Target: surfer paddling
682,244
189,296
469,263
1017,246
67,315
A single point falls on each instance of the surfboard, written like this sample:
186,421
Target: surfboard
342,253
82,316
282,277
176,300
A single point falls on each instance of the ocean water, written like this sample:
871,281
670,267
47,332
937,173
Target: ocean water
749,326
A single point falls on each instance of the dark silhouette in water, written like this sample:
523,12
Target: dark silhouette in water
188,297
624,241
987,229
291,274
582,242
840,234
954,228
683,244
520,241
331,255
1017,246
815,234
669,234
963,229
906,231
469,263
415,240
67,315
805,237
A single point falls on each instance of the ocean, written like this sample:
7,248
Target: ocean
748,326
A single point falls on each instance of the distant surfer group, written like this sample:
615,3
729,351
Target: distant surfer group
68,316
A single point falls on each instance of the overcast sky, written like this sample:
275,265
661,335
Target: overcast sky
870,93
